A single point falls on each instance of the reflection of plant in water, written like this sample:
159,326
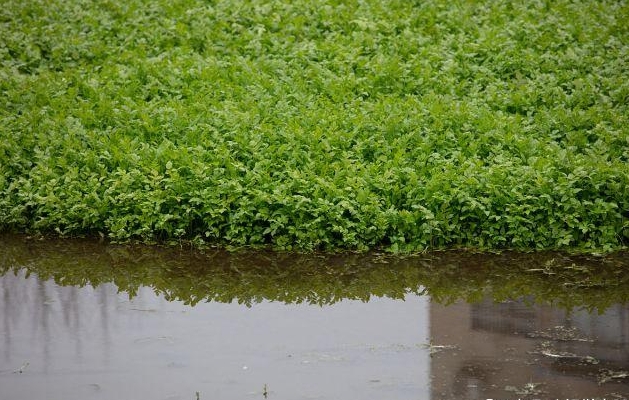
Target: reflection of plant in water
251,277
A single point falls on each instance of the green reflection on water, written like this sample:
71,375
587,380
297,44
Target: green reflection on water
566,281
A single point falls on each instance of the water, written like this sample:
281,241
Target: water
83,320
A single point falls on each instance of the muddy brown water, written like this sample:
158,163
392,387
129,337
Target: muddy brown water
86,320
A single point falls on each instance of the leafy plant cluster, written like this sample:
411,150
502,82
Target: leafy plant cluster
308,124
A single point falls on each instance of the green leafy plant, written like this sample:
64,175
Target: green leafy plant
318,125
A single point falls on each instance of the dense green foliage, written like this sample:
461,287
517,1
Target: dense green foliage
318,124
593,283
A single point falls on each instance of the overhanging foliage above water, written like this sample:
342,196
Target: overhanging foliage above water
594,283
318,124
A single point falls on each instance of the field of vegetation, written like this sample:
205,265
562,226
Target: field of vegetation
318,124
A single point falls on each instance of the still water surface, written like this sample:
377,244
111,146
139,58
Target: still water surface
82,320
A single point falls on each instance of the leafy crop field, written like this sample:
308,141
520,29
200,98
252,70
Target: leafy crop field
397,124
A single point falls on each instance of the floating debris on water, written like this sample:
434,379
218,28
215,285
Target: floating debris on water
561,333
21,369
528,388
607,375
436,348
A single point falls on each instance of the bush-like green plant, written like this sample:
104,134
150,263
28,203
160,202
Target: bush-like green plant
318,124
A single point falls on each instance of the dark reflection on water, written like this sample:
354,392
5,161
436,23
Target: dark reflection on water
85,320
513,350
